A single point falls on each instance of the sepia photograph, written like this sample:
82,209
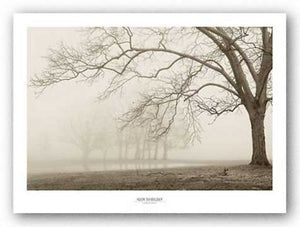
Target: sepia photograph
149,108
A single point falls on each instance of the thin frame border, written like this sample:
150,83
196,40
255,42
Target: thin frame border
126,201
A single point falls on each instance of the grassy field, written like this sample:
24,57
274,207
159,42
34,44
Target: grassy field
240,177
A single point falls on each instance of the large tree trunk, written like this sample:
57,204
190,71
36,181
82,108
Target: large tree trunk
259,155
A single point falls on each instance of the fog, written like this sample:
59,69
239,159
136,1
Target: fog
67,115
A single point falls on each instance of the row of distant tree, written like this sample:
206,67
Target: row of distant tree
127,144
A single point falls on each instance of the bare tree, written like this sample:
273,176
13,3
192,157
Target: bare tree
87,136
233,64
79,134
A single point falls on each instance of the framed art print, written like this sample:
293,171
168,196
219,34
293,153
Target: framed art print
149,113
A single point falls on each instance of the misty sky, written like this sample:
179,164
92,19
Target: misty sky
49,115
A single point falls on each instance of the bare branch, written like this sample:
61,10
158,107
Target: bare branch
181,62
212,84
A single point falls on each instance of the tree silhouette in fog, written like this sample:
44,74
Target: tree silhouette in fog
233,65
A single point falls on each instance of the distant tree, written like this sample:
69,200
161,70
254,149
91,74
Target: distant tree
85,134
79,133
233,64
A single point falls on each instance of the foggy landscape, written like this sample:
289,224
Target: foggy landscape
140,121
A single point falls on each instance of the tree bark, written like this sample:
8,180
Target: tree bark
259,155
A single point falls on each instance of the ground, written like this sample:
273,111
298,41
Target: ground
239,177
